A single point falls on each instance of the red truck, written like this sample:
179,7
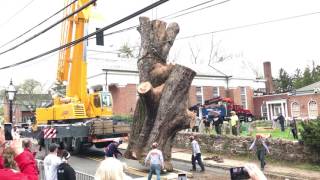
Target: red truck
229,105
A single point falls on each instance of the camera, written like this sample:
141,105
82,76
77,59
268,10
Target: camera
182,176
238,173
7,131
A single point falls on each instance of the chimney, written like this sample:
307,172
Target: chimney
268,77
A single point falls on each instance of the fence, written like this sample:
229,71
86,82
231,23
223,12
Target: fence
79,175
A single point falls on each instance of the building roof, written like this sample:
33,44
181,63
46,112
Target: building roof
236,67
309,88
31,101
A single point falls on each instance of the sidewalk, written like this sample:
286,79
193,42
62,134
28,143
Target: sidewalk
271,171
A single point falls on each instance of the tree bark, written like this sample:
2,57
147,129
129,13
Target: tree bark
162,107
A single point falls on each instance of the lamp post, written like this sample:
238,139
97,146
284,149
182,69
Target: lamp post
11,92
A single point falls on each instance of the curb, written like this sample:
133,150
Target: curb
224,167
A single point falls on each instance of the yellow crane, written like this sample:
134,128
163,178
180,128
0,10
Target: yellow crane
78,104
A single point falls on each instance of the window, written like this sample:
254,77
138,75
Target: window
313,109
264,112
199,95
106,99
215,92
243,97
96,100
295,109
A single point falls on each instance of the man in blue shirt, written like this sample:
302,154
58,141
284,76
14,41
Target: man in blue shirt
112,149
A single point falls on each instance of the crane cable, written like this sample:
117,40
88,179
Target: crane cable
37,24
89,35
51,26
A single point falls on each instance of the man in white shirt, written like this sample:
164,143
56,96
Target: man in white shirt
196,154
156,161
51,163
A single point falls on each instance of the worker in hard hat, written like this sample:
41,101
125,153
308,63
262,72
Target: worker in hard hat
234,121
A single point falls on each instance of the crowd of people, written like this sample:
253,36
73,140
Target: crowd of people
215,120
17,161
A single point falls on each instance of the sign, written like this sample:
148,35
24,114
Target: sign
49,133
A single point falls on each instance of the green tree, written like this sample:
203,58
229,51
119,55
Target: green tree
307,77
284,82
125,51
310,135
30,89
30,86
297,79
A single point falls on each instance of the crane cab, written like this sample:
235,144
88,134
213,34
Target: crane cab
102,104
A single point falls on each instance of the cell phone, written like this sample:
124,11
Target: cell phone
7,131
182,176
238,173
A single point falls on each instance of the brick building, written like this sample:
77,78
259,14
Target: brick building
233,78
303,103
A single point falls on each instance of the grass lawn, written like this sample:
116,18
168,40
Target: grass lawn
275,133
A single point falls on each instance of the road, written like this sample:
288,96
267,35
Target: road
88,162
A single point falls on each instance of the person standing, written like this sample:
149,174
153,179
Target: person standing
16,155
26,143
196,154
196,124
112,149
234,120
156,161
51,163
293,126
217,122
261,150
206,125
281,121
65,171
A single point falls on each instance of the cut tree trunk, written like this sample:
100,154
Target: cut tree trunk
162,107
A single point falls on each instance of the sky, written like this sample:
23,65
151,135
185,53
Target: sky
288,44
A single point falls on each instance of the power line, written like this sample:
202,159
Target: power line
191,7
15,14
38,24
50,27
228,29
89,35
199,9
250,25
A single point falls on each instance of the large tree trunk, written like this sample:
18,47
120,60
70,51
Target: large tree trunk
162,108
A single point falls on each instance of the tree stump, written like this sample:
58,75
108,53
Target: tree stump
162,108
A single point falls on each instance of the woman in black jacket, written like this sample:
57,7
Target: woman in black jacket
65,171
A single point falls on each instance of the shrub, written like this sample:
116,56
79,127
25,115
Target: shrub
124,118
310,135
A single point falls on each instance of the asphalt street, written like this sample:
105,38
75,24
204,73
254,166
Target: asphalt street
88,162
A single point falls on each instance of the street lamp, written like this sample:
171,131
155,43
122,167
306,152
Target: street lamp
11,92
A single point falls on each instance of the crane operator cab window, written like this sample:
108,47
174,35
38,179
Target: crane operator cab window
102,99
106,99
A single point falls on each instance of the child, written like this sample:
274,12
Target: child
261,149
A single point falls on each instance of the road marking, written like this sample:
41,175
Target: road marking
95,158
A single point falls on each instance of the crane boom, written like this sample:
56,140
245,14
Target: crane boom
77,104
